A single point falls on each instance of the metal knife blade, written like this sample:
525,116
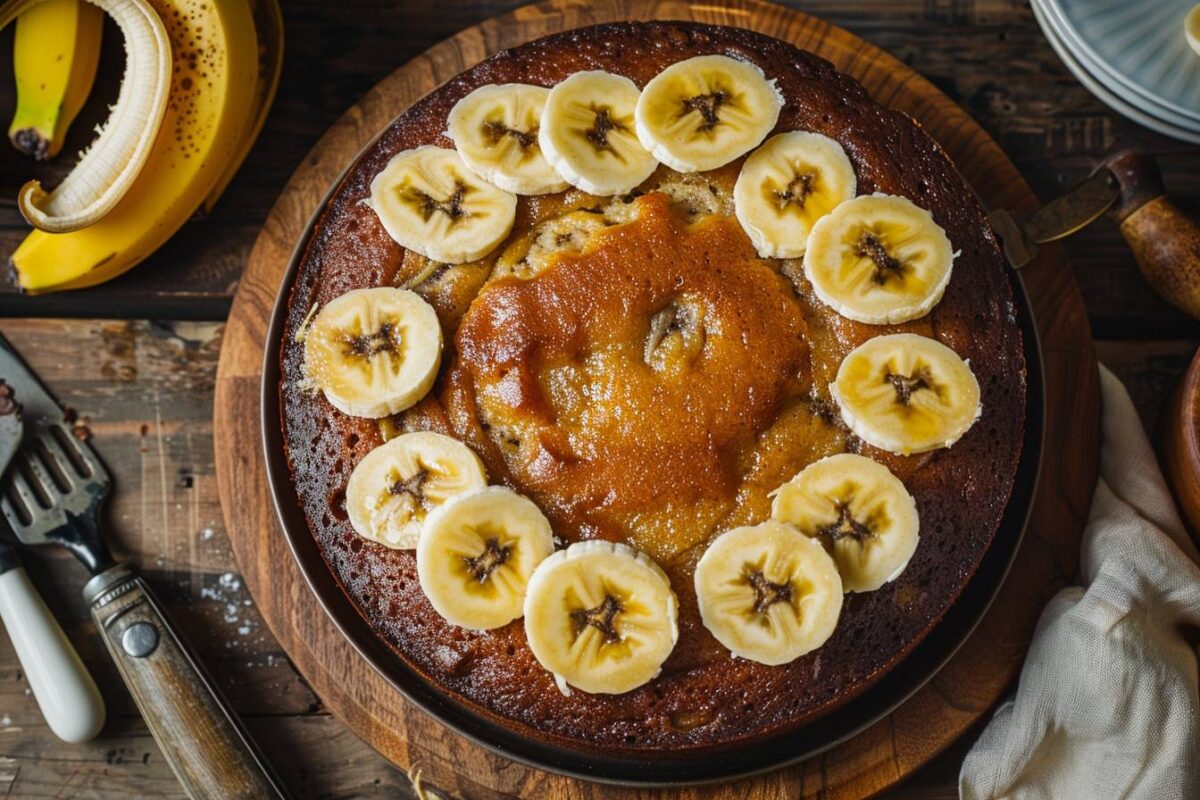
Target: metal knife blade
39,408
11,424
1073,209
41,413
12,427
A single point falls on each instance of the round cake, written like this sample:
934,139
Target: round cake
633,362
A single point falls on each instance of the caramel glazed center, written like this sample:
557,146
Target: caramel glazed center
640,390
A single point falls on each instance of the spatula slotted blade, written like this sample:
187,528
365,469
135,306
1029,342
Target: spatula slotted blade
53,494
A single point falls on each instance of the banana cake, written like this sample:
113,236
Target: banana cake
651,387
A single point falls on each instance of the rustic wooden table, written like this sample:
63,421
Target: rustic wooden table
137,359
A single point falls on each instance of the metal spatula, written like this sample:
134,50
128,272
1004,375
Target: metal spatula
59,503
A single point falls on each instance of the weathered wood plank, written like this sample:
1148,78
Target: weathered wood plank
1150,371
315,755
144,391
988,55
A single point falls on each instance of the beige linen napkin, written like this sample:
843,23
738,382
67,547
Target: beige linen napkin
1107,702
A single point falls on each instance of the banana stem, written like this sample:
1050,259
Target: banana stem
108,169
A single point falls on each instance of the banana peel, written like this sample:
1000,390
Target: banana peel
162,200
108,168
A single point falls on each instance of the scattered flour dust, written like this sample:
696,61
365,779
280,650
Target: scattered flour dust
228,592
227,597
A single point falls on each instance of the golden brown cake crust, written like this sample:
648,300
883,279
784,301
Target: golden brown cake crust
703,698
560,386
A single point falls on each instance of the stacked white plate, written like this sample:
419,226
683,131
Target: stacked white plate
1133,55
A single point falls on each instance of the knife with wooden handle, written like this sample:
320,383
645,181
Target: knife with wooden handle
1128,186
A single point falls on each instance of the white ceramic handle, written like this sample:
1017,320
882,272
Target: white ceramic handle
64,690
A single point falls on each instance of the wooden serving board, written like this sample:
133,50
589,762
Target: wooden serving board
884,754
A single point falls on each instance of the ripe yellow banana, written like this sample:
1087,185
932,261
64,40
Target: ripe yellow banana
55,53
429,201
601,616
398,484
211,98
860,512
476,553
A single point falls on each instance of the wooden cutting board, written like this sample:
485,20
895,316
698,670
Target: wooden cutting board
960,694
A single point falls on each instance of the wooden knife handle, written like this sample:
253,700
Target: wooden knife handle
1165,243
198,733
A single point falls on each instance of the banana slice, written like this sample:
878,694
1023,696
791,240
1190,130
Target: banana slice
495,130
768,592
476,554
601,616
429,201
788,184
587,134
374,352
859,511
879,259
398,483
526,256
906,393
703,112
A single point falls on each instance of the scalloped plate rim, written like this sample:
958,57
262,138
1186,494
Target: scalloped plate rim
1090,83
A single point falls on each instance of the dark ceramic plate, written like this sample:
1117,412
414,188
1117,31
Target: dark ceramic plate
662,768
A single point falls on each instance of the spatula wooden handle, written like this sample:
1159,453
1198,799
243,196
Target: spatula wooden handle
1165,243
198,733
